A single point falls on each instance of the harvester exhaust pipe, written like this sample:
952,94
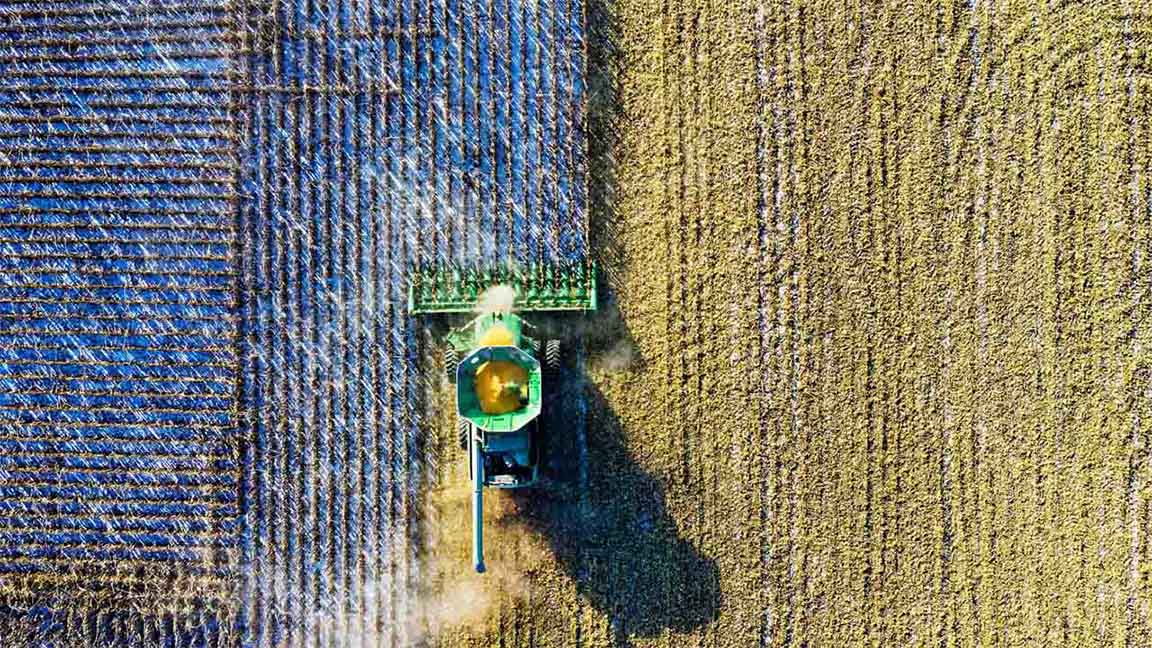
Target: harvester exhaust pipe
477,504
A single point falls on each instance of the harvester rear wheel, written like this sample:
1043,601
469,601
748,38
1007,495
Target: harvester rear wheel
462,433
451,361
552,356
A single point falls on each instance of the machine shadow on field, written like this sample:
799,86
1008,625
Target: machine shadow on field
605,517
608,526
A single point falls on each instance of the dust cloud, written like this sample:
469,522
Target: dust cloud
454,598
619,356
497,299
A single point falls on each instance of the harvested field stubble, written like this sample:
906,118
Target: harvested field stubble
882,276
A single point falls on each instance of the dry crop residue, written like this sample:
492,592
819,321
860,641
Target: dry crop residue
882,286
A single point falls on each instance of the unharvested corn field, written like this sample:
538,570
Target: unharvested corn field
874,365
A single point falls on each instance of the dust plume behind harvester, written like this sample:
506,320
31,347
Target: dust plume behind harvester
499,369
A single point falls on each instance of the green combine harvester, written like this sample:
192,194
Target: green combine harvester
499,370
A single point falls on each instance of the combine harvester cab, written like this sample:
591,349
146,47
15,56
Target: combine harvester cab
500,373
507,438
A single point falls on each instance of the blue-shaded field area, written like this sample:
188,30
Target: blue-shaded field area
208,212
119,446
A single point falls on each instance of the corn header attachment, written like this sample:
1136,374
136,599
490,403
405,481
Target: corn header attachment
569,287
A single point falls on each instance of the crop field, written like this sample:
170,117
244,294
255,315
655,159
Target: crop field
871,365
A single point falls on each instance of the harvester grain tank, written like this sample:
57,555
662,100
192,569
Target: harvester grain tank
500,372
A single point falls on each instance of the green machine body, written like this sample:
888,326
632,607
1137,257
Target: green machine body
503,448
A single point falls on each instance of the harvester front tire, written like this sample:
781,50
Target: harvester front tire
552,356
451,361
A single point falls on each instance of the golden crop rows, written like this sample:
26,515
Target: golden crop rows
881,275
